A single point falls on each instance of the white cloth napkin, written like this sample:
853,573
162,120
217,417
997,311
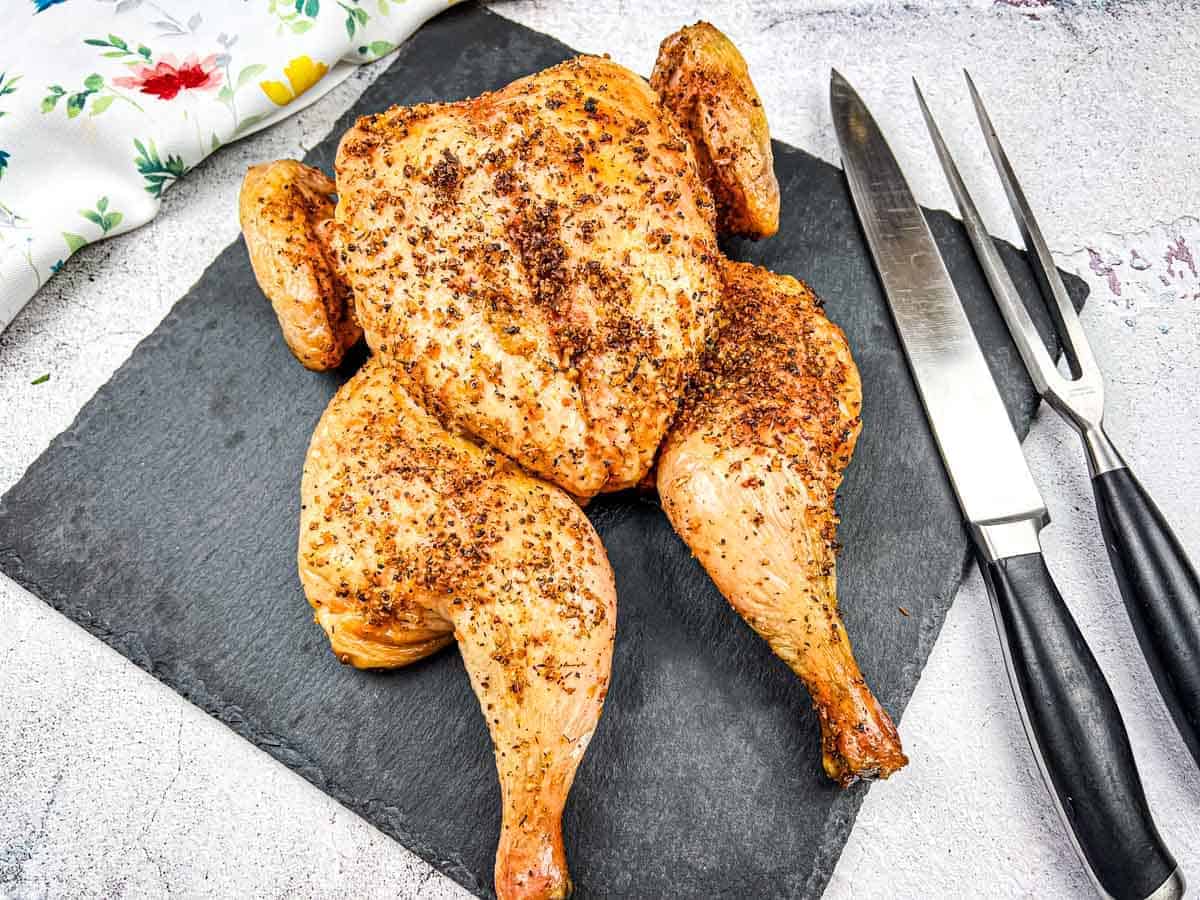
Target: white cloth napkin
104,104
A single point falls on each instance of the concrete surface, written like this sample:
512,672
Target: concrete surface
111,785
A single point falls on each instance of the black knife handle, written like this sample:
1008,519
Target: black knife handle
1076,731
1161,592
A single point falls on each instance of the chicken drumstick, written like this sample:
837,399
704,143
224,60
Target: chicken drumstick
410,537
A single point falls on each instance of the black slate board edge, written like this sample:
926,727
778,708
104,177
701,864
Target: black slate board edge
384,816
130,646
841,816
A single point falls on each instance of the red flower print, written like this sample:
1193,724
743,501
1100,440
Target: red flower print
167,78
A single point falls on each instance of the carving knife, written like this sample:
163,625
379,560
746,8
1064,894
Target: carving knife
1070,716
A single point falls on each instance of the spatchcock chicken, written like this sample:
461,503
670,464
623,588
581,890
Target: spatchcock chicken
536,274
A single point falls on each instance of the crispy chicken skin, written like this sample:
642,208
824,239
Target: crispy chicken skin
747,477
702,78
410,537
284,208
540,263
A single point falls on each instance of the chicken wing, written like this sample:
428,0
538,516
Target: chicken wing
410,537
702,78
285,208
748,476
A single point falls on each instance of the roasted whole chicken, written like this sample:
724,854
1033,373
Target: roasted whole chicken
537,277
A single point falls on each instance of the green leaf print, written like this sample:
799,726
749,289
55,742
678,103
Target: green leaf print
7,86
355,17
101,217
376,49
74,241
296,15
249,122
248,74
95,91
51,99
247,77
118,48
158,172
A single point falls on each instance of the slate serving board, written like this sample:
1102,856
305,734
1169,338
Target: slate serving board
164,521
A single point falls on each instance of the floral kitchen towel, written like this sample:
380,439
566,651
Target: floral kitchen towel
104,104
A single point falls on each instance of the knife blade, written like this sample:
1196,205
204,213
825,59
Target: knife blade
977,443
1070,717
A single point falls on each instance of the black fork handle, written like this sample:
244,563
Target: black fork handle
1161,593
1077,734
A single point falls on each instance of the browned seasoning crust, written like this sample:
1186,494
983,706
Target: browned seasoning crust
539,262
285,207
702,78
748,476
536,272
411,536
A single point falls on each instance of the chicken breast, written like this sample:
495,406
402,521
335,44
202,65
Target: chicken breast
412,537
539,263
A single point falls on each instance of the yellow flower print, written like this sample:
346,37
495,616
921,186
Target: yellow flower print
302,73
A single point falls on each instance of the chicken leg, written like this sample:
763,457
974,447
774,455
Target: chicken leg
411,536
748,475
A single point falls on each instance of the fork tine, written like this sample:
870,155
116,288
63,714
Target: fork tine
1042,370
1070,331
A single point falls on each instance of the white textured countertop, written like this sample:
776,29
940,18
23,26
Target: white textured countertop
111,784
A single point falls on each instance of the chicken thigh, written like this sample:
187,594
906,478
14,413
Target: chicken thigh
747,477
411,537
